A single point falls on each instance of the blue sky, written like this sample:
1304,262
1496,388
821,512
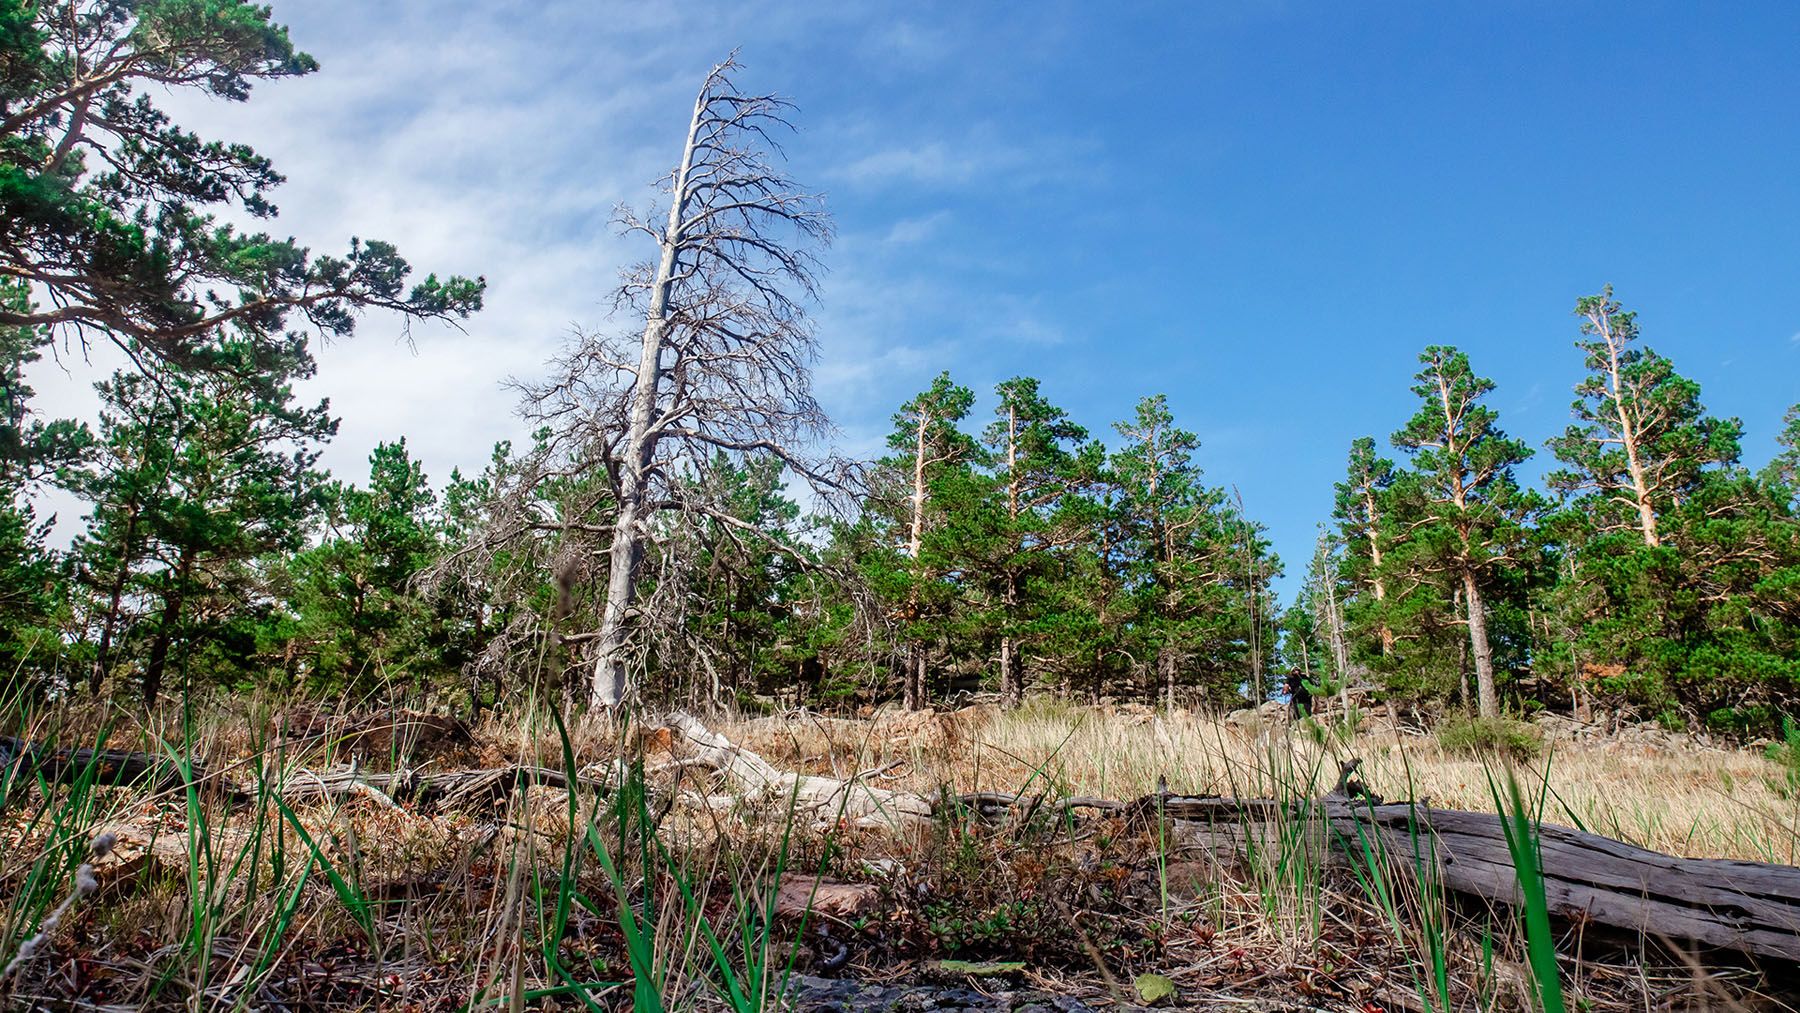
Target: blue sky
1263,210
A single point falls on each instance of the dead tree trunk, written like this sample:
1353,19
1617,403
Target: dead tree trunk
1011,691
719,366
913,692
640,445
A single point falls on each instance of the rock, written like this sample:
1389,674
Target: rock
1253,717
138,845
1153,988
799,893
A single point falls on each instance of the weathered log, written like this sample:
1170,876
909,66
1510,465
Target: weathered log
62,765
446,790
1749,907
758,780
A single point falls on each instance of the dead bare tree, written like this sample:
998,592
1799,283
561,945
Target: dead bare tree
720,363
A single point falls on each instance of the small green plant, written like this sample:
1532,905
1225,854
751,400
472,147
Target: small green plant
1339,730
1504,737
1786,757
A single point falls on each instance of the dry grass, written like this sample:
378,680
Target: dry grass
463,906
1681,798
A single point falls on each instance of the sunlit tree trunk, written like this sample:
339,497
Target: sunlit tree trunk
1625,410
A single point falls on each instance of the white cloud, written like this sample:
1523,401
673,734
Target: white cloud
488,141
931,163
916,230
479,144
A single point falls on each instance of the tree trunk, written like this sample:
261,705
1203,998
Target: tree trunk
1011,690
1629,434
1340,650
173,595
627,548
1012,682
1165,664
1009,684
115,595
97,677
914,689
915,533
1376,579
1487,702
913,682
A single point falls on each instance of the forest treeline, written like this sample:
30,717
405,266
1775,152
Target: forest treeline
647,540
1015,552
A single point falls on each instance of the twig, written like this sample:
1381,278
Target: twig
85,884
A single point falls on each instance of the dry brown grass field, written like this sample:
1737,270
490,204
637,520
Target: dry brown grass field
327,883
1657,790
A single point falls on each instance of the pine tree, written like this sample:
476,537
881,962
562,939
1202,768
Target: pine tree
1784,469
1361,513
107,207
1472,512
128,486
932,461
734,591
1193,567
1035,471
33,452
360,610
239,483
1641,440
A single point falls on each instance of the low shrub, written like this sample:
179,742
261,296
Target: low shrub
1508,737
1785,754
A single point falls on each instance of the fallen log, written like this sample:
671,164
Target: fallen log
1748,907
63,765
449,789
149,771
758,780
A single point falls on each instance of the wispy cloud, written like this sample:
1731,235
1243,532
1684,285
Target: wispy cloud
931,163
917,230
485,142
954,158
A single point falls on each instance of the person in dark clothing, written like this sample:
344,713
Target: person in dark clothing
1299,697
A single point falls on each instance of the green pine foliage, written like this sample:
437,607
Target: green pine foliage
117,214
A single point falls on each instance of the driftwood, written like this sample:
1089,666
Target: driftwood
852,799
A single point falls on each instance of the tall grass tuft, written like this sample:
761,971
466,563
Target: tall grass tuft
1521,823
